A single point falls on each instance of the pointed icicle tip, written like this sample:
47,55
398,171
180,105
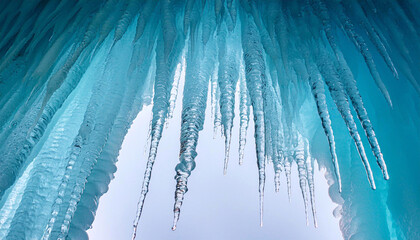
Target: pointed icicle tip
134,232
176,218
261,208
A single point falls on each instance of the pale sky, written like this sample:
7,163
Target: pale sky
217,206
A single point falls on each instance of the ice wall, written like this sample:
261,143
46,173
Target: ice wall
74,75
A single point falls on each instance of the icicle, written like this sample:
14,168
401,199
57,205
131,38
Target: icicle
160,108
165,71
363,49
255,77
303,176
277,178
187,12
243,113
126,18
317,87
351,89
198,73
209,22
213,94
373,35
81,140
146,11
227,79
174,90
310,178
288,172
356,99
217,113
58,78
168,26
338,94
231,6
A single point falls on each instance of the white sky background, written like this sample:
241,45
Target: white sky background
216,206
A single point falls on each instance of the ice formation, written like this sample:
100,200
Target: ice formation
74,75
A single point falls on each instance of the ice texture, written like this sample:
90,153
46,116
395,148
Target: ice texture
323,80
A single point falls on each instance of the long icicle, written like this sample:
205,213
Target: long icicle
317,88
198,73
255,77
165,73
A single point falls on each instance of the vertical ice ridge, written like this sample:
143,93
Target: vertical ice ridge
208,22
299,155
58,78
231,6
357,102
164,82
243,112
338,93
132,102
14,159
82,139
125,20
99,134
168,26
255,77
198,74
47,169
310,177
360,43
227,79
317,88
175,86
146,11
351,90
288,172
372,34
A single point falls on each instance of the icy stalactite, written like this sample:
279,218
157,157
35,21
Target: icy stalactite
163,98
175,86
361,111
360,43
310,179
200,66
299,155
130,12
317,88
255,77
338,93
217,114
82,159
372,33
244,108
227,80
133,100
146,11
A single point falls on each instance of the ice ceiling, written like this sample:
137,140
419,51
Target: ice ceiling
74,75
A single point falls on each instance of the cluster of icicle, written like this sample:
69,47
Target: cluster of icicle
278,53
